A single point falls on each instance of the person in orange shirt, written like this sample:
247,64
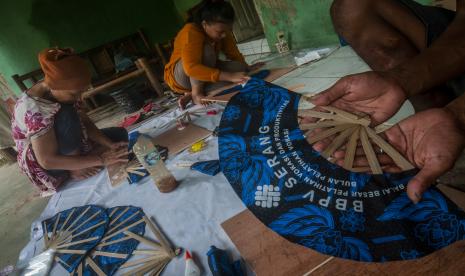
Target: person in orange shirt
194,67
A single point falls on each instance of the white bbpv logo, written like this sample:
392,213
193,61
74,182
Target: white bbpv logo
267,196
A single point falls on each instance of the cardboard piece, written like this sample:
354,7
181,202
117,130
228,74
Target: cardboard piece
178,140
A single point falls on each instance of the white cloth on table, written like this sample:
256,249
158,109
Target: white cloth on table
190,216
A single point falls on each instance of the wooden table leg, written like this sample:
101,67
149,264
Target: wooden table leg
143,64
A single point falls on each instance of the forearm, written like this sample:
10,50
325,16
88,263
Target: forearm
94,133
442,61
457,107
69,163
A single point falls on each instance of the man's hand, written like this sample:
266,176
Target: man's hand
431,140
373,93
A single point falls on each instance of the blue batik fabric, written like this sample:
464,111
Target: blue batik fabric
211,167
120,218
83,223
298,194
259,75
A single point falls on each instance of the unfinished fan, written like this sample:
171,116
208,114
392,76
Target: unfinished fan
73,233
115,248
154,259
348,130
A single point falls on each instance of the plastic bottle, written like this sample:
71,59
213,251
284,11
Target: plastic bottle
191,268
150,158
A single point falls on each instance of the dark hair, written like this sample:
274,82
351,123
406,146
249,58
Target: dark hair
211,11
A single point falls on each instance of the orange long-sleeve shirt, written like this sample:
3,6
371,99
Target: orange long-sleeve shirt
188,46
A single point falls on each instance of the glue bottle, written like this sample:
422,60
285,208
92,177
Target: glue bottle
150,158
191,268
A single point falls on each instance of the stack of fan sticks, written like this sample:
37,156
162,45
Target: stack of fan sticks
349,130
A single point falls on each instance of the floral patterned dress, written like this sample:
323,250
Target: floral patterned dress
32,118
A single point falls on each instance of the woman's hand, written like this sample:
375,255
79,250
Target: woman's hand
118,145
237,77
256,66
111,156
84,173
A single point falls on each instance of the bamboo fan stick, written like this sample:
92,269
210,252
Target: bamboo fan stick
319,266
155,265
55,225
59,260
144,260
66,220
119,216
109,254
328,133
349,117
148,265
84,222
46,239
338,141
113,242
113,212
122,230
82,232
122,223
95,267
369,152
77,219
159,235
159,269
79,270
318,114
322,124
67,232
145,252
394,154
351,149
136,172
143,240
71,251
76,242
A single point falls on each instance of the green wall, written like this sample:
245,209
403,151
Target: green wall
183,6
27,26
306,23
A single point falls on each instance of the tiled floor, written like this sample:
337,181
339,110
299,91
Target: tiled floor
257,46
320,75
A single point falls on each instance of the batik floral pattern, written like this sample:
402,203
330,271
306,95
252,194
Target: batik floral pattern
33,118
352,221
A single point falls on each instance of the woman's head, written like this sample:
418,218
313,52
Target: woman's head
214,16
65,72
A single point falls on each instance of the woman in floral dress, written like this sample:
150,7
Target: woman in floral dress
56,141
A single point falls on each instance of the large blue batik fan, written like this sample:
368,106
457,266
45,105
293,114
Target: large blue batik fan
73,233
299,194
115,248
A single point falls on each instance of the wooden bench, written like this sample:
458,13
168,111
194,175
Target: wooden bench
101,62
